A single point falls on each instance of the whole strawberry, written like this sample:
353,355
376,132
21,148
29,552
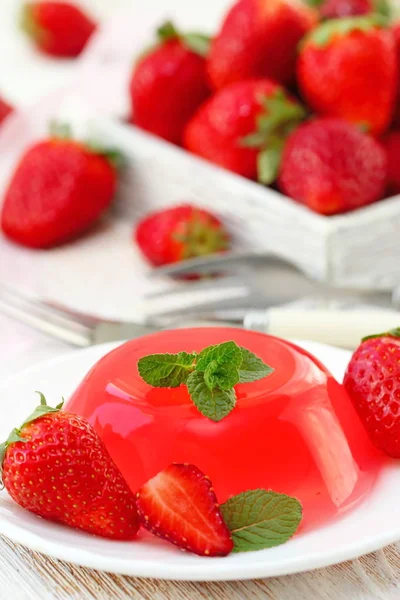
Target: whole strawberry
5,109
372,381
179,505
57,467
348,68
259,38
243,128
178,233
57,28
332,167
169,83
391,144
58,190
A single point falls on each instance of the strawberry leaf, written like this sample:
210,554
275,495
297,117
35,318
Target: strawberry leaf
166,370
280,115
268,162
214,404
42,409
382,7
261,519
113,155
59,130
30,25
253,140
322,35
167,31
391,333
197,42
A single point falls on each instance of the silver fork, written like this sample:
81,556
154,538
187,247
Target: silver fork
337,327
223,300
74,328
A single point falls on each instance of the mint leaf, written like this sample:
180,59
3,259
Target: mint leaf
222,353
210,376
214,404
166,370
252,367
224,376
259,519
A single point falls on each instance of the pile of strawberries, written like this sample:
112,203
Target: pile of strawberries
300,97
303,98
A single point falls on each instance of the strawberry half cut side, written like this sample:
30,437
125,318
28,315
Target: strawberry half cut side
179,505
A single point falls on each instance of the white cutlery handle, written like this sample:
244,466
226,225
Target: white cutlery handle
338,328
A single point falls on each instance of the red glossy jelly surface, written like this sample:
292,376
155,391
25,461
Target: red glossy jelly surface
294,432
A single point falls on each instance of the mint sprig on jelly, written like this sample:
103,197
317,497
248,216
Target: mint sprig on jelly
210,376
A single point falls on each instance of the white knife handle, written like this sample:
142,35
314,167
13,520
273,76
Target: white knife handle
336,327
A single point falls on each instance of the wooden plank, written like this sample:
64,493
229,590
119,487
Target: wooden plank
26,575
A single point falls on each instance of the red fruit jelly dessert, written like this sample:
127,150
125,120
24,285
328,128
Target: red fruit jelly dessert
294,431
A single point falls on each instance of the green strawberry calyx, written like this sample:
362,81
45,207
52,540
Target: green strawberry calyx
63,131
15,436
200,237
327,31
314,3
380,7
30,26
391,333
383,8
280,117
194,41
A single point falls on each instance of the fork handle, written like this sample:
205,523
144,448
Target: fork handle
336,327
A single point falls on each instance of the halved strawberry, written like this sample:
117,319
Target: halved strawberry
179,505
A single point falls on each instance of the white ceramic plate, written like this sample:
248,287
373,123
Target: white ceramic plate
374,524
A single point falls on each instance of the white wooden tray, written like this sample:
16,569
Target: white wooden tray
357,250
